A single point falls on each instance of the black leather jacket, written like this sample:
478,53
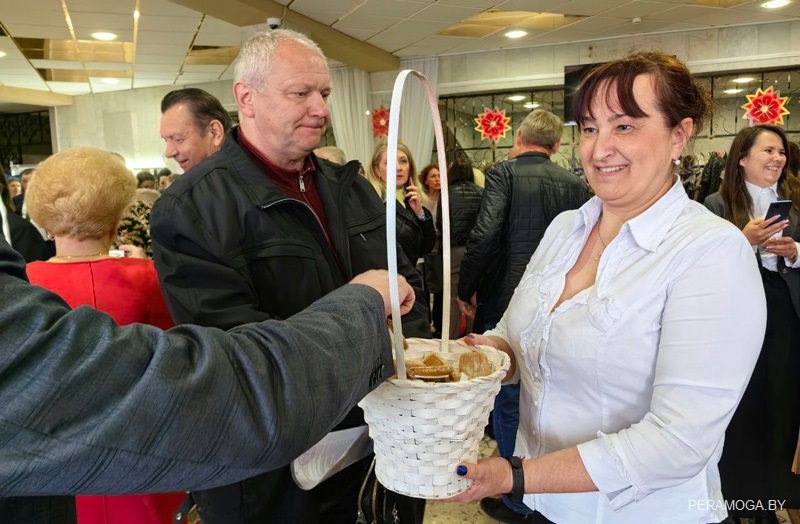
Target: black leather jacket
521,197
465,202
416,237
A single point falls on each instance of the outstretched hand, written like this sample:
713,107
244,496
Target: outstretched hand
378,279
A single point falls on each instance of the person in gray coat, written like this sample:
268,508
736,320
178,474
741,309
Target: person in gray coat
88,407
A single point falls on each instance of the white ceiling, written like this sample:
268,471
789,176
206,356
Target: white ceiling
405,28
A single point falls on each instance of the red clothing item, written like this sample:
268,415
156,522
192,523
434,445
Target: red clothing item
127,290
299,185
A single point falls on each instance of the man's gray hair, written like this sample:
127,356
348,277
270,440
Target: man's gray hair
256,53
541,128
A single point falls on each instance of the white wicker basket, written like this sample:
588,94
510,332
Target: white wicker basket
422,430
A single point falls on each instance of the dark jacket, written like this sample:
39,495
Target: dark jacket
26,239
521,197
230,247
18,201
465,203
416,237
187,408
716,204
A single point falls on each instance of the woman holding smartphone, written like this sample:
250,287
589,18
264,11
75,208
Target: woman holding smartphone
761,439
415,232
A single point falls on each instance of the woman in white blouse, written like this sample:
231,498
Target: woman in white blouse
636,325
761,439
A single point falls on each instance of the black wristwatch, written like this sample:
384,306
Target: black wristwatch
518,477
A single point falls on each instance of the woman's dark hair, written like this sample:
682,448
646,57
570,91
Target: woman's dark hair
678,94
204,107
460,169
793,159
5,194
144,176
423,175
738,202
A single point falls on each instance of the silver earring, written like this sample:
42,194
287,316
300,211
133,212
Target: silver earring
677,162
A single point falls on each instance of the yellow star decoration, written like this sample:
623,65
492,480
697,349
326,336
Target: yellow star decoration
766,107
493,124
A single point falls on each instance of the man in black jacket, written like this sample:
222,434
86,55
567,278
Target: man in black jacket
521,197
263,228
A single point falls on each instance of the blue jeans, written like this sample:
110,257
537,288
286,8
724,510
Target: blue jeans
505,419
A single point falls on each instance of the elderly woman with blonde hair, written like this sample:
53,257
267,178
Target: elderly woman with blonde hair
79,196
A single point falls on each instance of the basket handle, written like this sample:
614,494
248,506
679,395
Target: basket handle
391,207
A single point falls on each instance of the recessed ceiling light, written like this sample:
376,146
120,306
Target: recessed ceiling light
104,36
516,98
743,79
531,105
110,81
2,54
732,91
775,4
516,34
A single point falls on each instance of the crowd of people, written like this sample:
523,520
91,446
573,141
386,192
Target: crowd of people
654,336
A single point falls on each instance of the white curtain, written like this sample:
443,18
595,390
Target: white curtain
350,104
416,124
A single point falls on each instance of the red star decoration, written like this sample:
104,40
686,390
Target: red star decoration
380,121
766,107
493,124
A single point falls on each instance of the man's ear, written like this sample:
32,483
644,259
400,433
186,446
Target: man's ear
518,138
217,132
556,148
243,94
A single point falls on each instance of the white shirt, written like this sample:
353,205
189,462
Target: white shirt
762,197
643,370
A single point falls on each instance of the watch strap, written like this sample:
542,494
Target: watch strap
518,479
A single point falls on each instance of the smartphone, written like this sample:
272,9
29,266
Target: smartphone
780,208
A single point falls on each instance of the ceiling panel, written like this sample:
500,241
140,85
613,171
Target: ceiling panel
166,37
588,7
109,69
360,34
102,22
390,8
636,9
38,31
160,49
169,23
432,45
446,13
405,34
56,64
98,6
162,8
158,59
32,17
365,22
218,39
